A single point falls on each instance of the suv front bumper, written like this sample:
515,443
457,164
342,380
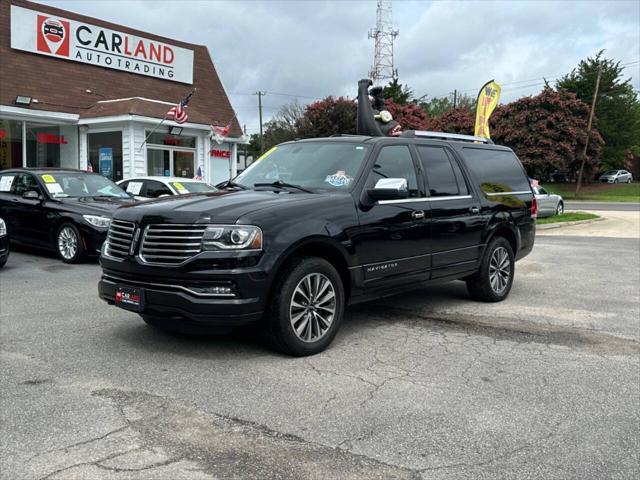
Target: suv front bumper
186,295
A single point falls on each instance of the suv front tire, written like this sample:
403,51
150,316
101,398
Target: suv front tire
492,282
307,307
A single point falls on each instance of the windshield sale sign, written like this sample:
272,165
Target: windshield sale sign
59,37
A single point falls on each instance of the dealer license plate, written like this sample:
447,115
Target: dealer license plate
129,298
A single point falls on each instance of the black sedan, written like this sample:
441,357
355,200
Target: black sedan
4,243
64,210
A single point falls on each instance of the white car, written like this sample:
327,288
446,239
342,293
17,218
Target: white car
148,188
616,176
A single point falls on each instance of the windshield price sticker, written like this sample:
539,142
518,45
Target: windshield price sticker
180,187
48,179
134,188
6,182
339,179
54,188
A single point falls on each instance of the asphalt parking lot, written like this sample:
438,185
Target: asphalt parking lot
424,385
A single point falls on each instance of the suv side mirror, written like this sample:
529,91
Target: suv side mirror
389,189
31,195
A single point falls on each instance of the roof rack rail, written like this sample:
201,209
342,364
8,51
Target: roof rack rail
345,135
446,136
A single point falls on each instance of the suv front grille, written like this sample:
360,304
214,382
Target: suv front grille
119,238
171,244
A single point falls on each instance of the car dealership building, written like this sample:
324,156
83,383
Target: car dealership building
77,91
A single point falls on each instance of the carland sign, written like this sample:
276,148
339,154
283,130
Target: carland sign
59,37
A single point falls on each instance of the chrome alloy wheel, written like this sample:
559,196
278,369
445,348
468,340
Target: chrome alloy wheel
67,243
313,307
560,209
499,270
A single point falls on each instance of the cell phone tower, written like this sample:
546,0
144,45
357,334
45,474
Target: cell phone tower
383,35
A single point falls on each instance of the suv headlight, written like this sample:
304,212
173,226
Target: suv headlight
232,237
3,228
97,220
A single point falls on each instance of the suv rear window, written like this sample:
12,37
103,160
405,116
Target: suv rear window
497,170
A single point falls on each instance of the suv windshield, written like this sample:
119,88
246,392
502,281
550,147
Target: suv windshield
321,165
79,184
193,187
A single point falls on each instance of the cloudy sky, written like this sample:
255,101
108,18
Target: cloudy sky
310,49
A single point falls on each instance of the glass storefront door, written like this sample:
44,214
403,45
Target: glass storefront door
166,162
158,162
183,163
105,153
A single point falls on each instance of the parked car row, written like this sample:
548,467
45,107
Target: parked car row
68,211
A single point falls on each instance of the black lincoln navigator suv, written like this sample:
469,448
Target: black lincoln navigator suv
315,225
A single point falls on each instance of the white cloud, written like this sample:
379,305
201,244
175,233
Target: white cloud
314,48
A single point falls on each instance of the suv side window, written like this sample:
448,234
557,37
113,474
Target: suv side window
496,170
24,182
155,189
443,173
395,161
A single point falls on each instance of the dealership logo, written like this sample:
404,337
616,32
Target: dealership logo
47,34
53,36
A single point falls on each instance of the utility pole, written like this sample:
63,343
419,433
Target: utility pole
455,98
260,94
586,142
383,35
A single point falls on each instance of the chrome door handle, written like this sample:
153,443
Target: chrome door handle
417,215
474,210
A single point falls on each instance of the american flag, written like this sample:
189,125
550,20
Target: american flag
199,175
220,133
178,113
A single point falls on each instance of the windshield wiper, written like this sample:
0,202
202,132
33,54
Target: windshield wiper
232,184
281,184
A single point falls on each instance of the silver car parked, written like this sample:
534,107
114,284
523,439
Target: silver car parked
548,203
616,176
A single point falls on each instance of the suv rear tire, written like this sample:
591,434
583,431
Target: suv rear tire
307,307
492,283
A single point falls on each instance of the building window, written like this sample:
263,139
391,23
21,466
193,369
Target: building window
10,144
105,154
51,145
160,138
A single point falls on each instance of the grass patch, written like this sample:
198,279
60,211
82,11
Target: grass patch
603,192
567,217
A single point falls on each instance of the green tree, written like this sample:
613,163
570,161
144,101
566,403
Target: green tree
283,127
617,105
398,93
436,106
547,132
328,117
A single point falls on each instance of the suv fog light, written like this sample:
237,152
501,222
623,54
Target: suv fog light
218,290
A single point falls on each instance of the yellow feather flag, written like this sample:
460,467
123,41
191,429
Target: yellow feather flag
487,101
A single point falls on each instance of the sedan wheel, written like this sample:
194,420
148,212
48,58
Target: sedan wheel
629,180
69,242
313,307
560,209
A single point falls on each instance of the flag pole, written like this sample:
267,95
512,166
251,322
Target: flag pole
162,121
151,132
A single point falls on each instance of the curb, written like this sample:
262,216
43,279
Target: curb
549,226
